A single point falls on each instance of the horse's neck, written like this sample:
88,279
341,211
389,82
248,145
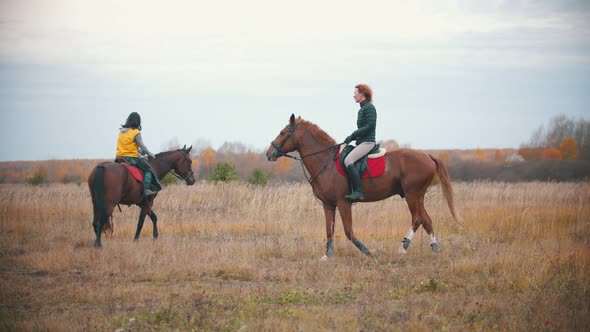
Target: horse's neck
315,163
161,166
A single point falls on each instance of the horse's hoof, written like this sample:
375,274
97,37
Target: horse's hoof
324,258
435,248
402,250
374,253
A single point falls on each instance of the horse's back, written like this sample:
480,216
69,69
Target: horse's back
412,165
114,179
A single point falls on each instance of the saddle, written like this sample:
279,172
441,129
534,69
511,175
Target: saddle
371,165
135,171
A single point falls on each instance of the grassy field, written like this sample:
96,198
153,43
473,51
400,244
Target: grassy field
237,257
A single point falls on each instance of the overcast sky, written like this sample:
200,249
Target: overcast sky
445,73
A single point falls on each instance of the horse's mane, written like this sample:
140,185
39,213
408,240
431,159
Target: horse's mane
167,152
317,132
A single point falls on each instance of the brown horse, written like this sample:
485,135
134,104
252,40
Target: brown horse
111,184
408,173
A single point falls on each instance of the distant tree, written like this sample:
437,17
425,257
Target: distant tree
199,145
259,177
208,157
552,154
224,172
195,168
499,156
569,148
584,152
281,166
445,156
559,128
232,148
531,153
480,154
39,176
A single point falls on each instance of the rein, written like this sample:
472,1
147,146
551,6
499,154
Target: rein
171,169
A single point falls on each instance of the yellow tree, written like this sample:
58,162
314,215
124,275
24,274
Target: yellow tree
281,166
208,158
445,156
481,154
569,148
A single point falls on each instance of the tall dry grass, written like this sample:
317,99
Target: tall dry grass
232,256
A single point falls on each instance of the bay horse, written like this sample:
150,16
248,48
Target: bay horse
408,173
111,184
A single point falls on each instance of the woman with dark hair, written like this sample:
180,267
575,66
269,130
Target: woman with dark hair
364,136
130,147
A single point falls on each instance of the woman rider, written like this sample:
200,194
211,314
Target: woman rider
130,146
364,136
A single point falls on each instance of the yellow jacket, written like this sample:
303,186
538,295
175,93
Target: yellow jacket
126,145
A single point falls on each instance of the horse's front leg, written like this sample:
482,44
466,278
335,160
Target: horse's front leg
154,219
140,222
330,213
346,214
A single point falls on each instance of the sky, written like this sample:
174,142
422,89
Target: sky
446,74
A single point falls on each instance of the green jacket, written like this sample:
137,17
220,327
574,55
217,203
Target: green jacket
366,123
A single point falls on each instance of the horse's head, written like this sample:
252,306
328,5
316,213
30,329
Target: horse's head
181,165
285,142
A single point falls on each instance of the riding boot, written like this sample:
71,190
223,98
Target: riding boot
147,184
355,181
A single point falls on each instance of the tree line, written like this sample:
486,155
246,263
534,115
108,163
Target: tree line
560,151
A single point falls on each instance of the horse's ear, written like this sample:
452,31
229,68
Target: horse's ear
184,147
292,119
189,149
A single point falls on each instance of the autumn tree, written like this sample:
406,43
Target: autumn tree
445,156
499,156
531,153
569,148
551,154
281,166
480,154
208,158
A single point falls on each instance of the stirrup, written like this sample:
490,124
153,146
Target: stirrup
355,196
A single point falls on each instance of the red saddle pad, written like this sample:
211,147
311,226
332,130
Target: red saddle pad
135,172
375,165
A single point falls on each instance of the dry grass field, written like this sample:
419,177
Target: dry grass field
237,257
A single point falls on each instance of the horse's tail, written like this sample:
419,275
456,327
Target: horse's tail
99,200
447,188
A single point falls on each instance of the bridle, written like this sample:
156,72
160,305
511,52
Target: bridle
173,172
279,152
278,148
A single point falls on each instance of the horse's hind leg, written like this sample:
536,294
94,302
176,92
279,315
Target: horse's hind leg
97,224
419,217
427,224
154,219
414,206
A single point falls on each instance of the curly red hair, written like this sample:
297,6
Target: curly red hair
365,90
